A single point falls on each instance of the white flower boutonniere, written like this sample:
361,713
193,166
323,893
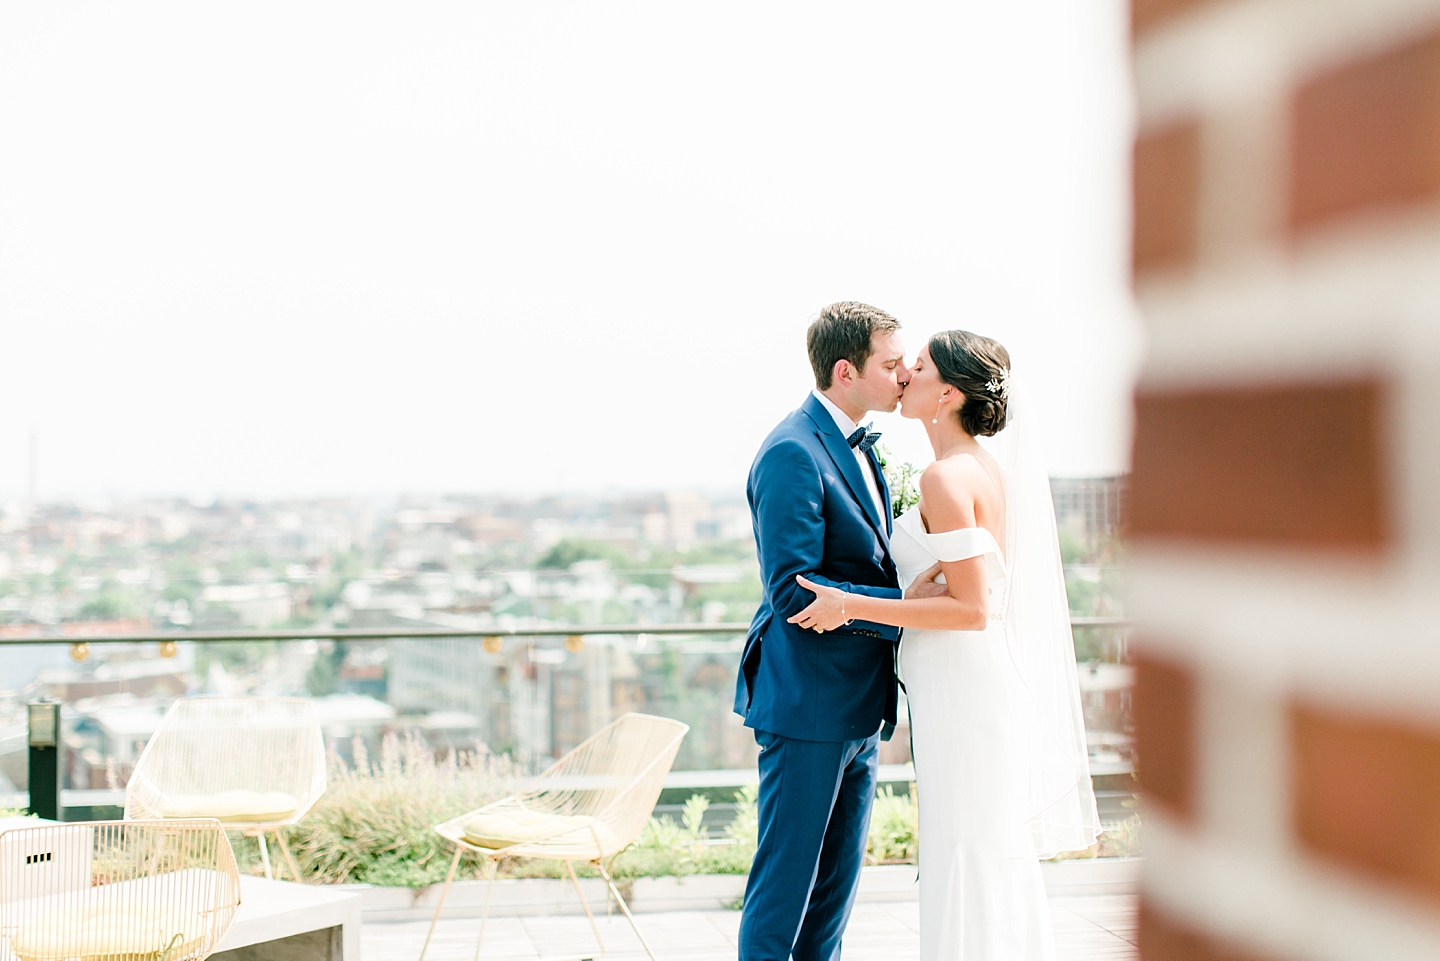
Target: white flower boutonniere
903,478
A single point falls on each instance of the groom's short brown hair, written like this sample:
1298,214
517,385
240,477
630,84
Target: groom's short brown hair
843,331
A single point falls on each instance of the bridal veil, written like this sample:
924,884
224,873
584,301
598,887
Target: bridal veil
1061,809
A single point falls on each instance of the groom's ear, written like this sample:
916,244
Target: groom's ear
843,372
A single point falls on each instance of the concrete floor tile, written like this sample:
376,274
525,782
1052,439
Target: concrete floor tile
1093,928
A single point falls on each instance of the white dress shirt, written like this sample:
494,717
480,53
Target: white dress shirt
847,427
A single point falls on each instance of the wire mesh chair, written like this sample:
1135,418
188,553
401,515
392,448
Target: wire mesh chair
116,891
255,763
589,806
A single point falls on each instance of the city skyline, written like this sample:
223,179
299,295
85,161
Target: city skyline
478,564
34,493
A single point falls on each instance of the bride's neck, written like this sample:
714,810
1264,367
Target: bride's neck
947,437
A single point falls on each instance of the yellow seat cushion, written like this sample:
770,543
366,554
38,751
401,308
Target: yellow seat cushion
109,931
238,806
495,829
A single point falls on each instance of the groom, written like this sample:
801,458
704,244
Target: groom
821,508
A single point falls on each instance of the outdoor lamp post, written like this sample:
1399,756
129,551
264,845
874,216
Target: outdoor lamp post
46,759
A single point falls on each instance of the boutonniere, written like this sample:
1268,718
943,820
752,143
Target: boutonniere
903,478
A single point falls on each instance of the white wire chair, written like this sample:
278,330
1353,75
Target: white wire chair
255,763
588,806
116,890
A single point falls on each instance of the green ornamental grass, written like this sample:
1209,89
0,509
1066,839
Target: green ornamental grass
375,825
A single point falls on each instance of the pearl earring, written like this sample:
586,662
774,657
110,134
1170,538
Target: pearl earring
936,418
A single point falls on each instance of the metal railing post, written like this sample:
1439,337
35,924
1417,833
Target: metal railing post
47,759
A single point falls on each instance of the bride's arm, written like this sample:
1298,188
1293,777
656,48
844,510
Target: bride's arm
788,498
963,607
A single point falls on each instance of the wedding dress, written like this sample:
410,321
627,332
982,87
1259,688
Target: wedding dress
1000,755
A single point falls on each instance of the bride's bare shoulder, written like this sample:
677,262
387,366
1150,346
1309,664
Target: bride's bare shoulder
948,490
958,473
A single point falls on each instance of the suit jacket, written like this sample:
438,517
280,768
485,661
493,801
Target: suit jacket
813,515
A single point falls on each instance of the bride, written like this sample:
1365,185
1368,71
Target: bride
988,661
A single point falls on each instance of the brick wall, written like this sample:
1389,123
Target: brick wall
1285,501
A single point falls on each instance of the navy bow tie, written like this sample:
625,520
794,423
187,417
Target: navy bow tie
863,439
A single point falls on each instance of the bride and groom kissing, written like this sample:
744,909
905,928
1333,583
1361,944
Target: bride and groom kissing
971,576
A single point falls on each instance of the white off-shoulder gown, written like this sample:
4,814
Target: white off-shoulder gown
982,897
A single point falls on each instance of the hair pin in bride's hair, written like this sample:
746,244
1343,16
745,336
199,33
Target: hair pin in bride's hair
1000,386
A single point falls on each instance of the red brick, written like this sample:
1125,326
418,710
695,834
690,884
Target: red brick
1164,713
1163,939
1367,795
1145,14
1292,466
1367,136
1166,198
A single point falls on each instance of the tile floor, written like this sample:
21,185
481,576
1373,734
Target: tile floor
1087,928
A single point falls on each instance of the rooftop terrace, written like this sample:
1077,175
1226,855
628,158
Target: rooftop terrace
1087,928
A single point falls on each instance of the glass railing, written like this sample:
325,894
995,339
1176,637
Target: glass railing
528,694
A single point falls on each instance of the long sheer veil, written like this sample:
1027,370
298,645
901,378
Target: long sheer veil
1061,808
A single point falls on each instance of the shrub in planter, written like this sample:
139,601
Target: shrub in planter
1120,840
894,825
375,823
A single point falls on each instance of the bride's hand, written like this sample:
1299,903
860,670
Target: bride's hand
927,585
826,612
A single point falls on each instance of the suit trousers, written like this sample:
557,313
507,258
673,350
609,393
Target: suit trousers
814,811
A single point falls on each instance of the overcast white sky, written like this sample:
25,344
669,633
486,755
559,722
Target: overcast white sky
294,247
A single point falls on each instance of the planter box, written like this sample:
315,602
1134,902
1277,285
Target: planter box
1078,878
281,919
1091,876
698,892
545,896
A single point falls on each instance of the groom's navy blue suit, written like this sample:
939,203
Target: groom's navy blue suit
816,701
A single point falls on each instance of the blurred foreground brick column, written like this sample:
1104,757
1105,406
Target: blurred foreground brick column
1286,492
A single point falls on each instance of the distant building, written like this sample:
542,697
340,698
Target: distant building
140,678
686,509
446,674
125,728
1105,699
347,715
1090,508
538,699
255,605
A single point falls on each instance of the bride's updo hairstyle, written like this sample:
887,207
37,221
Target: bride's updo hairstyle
980,369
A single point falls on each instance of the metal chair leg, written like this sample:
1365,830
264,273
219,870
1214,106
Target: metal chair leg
264,854
443,892
586,905
157,853
289,858
609,902
625,909
485,915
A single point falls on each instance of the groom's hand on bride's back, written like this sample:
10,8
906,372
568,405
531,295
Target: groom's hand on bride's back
926,584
